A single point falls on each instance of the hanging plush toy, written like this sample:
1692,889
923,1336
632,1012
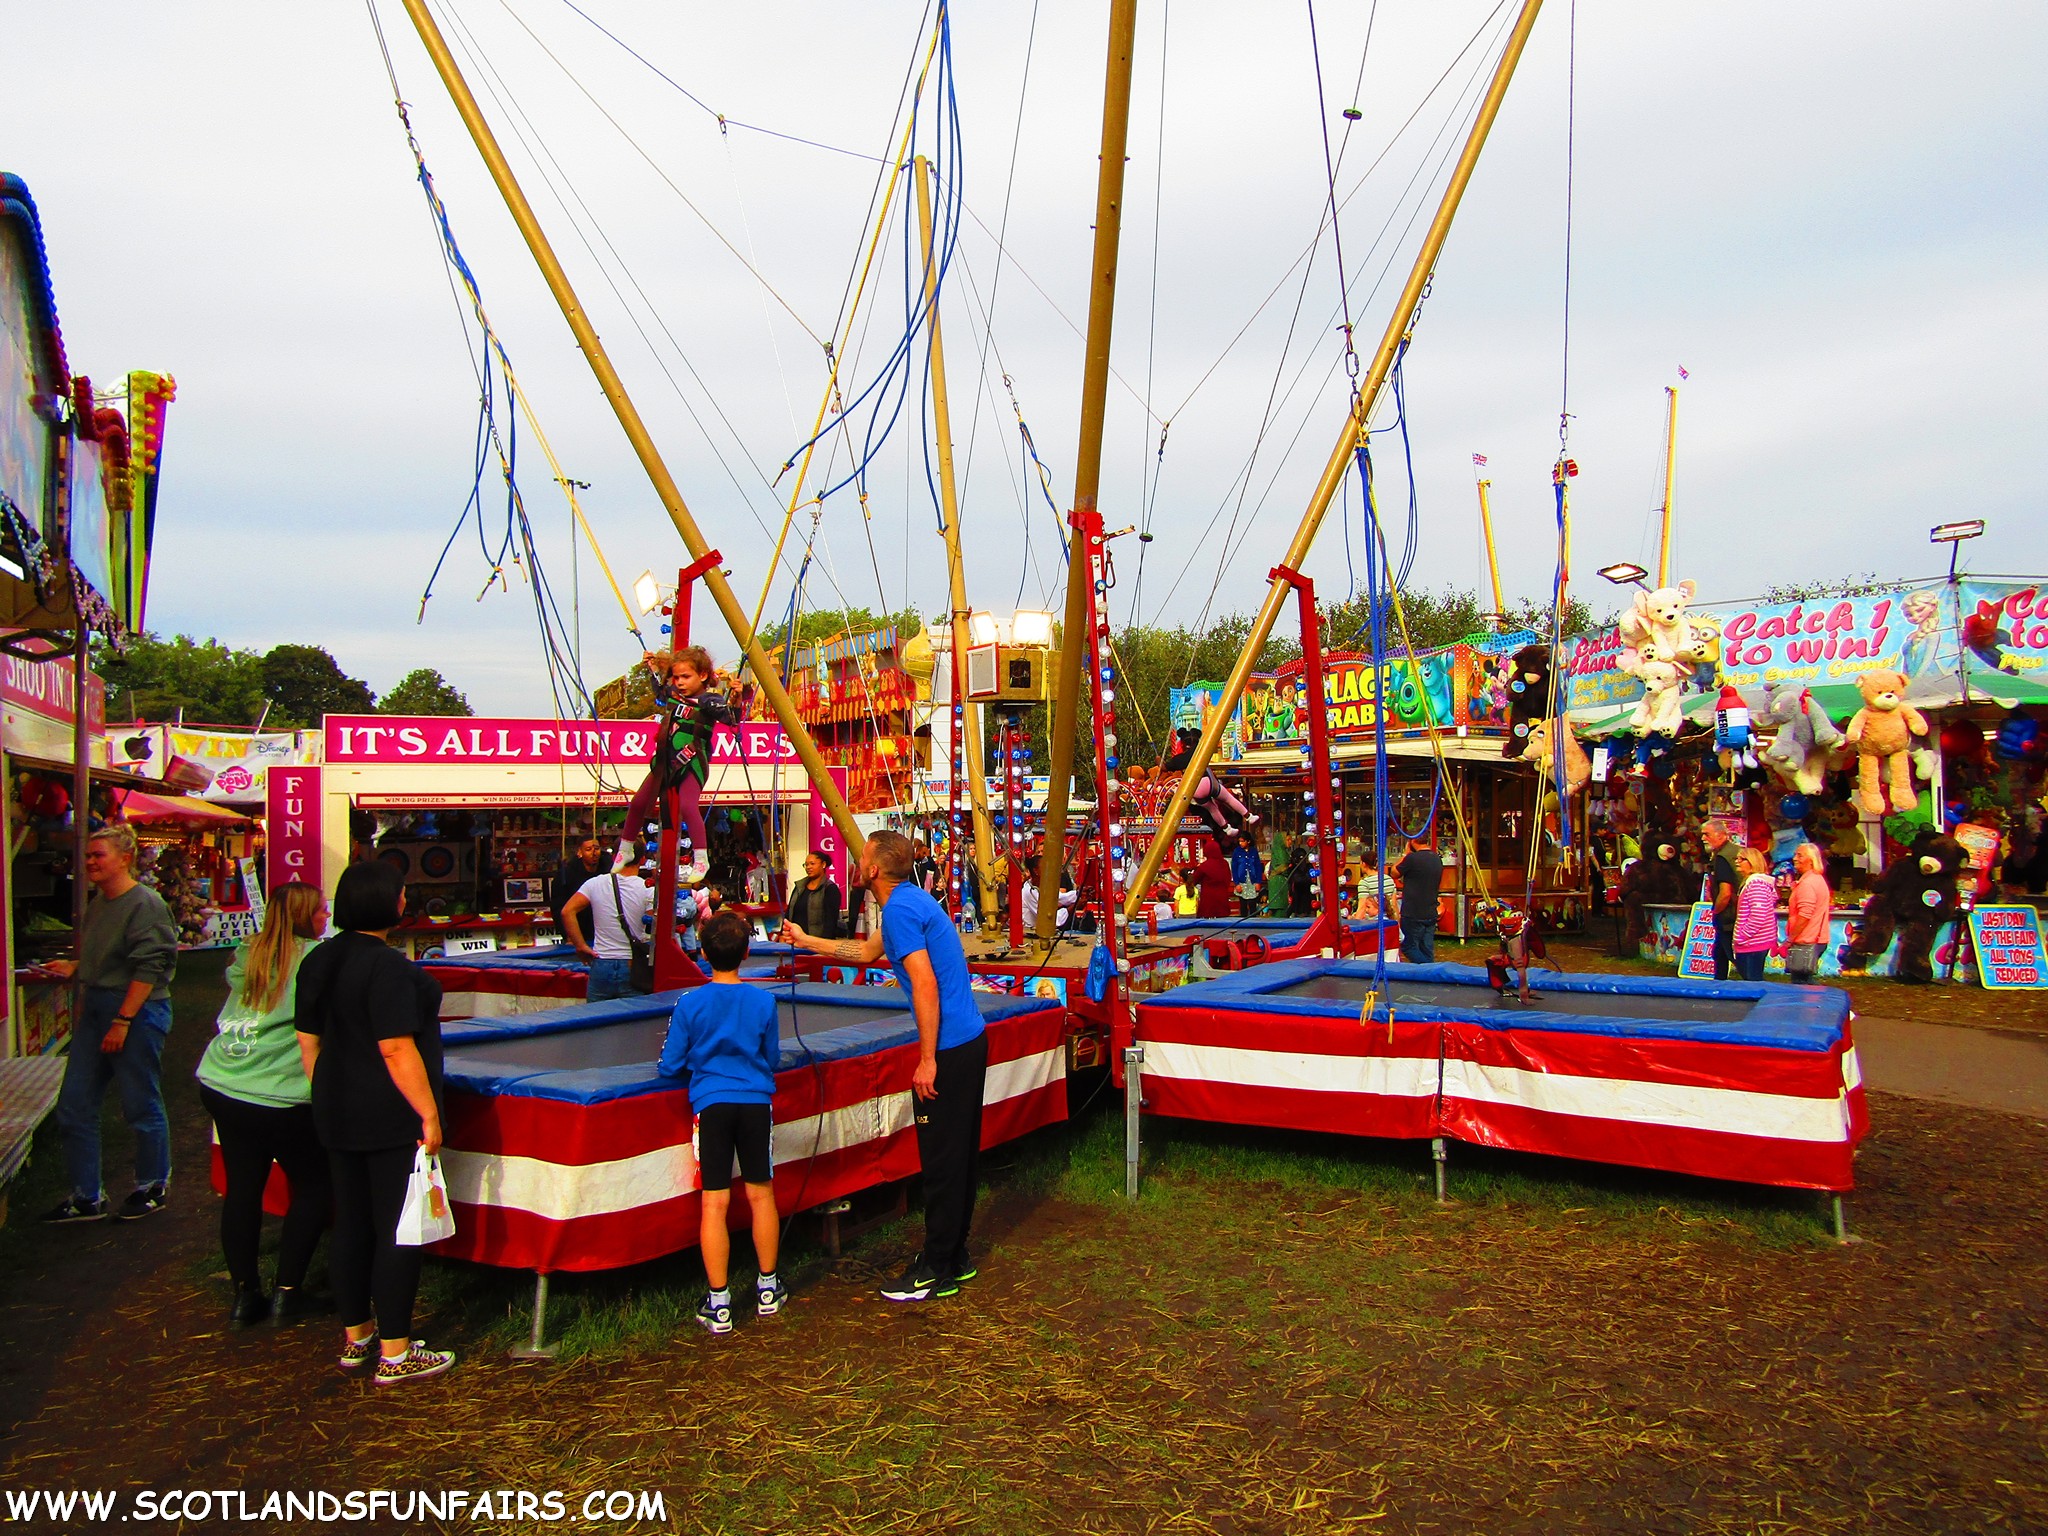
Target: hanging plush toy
1528,696
1578,768
1798,753
1882,733
1659,619
1657,712
2021,740
1732,740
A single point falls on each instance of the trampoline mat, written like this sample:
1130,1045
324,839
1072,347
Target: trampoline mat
1438,994
635,1041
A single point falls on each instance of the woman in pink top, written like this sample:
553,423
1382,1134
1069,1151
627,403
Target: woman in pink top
1756,915
1807,914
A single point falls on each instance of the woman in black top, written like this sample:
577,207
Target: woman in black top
370,1025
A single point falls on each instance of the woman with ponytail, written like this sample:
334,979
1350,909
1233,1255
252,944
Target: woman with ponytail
254,1083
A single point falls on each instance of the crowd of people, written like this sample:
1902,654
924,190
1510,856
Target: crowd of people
326,1063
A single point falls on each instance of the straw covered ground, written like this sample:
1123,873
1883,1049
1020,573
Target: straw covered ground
1285,1334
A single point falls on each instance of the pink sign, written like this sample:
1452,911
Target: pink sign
47,688
547,743
825,836
292,826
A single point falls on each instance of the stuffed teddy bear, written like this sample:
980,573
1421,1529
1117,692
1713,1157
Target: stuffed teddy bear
1798,753
1578,768
1528,695
1882,734
1914,897
1656,878
1659,619
1657,713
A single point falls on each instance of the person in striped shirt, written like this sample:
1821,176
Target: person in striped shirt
1756,914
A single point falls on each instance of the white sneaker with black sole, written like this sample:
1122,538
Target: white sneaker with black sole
715,1317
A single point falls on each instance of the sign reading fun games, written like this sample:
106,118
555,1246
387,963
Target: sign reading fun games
2008,942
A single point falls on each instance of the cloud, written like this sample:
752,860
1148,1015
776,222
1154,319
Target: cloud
1811,208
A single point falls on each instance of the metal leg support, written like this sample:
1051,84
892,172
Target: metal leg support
1442,1154
1134,1099
535,1348
1841,1216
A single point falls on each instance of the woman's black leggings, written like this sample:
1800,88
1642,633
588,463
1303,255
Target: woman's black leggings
252,1137
374,1276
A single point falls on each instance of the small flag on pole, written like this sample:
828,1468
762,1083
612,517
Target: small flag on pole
1683,374
1479,459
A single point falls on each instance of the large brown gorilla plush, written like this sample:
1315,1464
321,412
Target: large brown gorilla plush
1914,897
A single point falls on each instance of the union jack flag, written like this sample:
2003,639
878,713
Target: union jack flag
1479,459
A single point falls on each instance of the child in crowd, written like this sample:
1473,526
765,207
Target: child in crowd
682,757
726,1038
1520,947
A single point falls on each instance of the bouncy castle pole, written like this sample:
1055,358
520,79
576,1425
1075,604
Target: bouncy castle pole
629,418
1339,465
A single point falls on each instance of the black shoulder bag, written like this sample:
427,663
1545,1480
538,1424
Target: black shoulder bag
641,968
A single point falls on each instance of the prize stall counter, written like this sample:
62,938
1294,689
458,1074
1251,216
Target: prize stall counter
1667,924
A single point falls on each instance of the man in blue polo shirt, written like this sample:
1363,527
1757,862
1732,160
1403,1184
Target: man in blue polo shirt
952,1055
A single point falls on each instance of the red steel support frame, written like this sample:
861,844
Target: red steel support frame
1113,1013
1323,803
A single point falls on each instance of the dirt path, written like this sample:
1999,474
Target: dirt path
1983,1068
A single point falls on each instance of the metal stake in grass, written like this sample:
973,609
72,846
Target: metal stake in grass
1442,1154
1134,1101
535,1348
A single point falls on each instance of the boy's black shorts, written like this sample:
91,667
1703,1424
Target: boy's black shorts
725,1129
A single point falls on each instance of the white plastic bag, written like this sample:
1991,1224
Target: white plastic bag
426,1217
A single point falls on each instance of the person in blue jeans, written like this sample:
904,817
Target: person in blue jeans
726,1038
924,949
1421,877
126,958
611,907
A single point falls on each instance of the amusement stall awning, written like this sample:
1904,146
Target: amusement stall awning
144,809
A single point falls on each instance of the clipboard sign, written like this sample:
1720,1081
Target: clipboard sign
2008,945
1696,952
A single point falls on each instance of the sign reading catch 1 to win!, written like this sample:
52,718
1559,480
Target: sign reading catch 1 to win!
1696,954
2008,941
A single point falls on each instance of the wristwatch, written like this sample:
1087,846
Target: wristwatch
124,1018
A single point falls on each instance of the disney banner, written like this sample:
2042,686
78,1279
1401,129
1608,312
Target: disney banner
1933,629
1462,686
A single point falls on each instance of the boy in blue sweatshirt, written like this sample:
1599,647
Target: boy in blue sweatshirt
726,1038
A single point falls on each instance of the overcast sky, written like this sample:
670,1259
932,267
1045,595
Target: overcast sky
1831,215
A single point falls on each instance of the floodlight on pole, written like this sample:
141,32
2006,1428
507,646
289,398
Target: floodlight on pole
1624,574
647,592
1955,533
1031,627
982,628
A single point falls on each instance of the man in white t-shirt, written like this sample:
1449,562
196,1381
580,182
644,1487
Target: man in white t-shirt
608,907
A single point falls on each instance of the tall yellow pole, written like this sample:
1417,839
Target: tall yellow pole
1339,464
968,744
1075,646
1492,561
629,418
1670,464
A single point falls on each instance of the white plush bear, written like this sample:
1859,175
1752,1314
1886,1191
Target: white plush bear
1658,712
1659,619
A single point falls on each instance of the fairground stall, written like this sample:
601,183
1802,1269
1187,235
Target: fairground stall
1761,744
479,814
1468,691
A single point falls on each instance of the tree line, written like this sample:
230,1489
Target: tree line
287,687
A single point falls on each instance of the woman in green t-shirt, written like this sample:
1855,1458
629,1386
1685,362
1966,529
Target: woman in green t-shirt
253,1082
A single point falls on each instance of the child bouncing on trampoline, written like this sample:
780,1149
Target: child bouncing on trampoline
726,1038
682,757
1520,947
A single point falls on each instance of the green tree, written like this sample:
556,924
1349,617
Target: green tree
204,680
303,683
423,691
826,623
